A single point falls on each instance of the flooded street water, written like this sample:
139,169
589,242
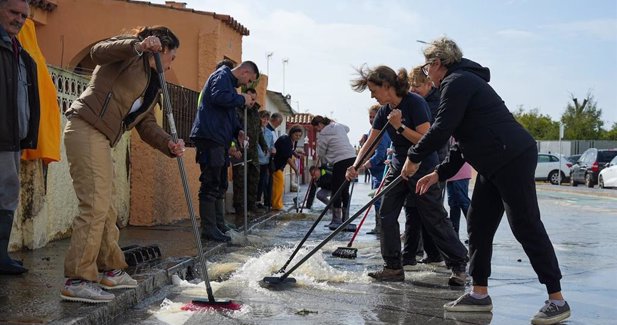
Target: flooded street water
331,290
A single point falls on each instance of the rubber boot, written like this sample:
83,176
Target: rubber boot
377,229
337,218
7,264
219,209
209,230
350,227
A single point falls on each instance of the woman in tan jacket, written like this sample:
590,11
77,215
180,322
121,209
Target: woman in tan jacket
122,93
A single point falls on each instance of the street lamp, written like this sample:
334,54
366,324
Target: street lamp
268,57
285,61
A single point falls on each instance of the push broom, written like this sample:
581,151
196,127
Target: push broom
210,302
336,195
285,279
352,252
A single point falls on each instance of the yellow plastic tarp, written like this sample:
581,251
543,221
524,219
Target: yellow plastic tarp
48,148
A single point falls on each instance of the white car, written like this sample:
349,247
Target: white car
548,168
608,175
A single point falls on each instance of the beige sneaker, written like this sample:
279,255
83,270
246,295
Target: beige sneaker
117,279
85,291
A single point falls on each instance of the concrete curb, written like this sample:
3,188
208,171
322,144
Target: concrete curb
149,283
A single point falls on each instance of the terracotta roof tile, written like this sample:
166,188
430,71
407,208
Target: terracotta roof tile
228,20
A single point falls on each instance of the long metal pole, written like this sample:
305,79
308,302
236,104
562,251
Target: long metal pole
244,153
185,183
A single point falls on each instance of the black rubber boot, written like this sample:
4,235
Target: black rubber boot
7,264
350,227
209,230
219,209
337,218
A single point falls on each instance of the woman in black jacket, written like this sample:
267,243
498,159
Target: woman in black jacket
505,156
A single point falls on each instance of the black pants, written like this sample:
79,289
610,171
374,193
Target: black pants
212,159
432,215
511,189
338,178
416,236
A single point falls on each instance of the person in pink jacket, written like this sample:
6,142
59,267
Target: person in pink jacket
458,195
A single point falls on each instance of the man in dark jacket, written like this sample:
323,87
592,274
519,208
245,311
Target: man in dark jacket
216,126
19,119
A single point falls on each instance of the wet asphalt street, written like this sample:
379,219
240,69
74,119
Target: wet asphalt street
581,224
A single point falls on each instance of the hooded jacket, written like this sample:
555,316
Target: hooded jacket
333,143
470,110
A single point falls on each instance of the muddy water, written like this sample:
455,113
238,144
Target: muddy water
332,290
328,289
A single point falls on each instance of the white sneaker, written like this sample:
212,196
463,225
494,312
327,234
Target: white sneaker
85,291
117,279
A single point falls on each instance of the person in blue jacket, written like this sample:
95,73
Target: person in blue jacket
376,165
505,156
215,127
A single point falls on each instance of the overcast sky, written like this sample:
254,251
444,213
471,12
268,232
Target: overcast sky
539,52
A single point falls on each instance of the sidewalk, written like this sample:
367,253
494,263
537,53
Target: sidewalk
34,298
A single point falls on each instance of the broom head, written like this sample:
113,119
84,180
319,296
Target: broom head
203,304
346,252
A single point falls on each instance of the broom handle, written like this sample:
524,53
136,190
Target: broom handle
185,183
306,195
334,197
344,225
366,214
383,179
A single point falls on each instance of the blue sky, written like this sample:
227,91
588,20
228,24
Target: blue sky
539,52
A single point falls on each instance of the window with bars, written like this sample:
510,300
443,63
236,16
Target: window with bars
184,108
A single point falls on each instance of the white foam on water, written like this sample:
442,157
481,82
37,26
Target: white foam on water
171,313
315,272
239,239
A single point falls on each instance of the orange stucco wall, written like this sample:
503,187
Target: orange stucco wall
65,36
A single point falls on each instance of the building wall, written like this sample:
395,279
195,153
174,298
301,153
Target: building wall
67,33
147,184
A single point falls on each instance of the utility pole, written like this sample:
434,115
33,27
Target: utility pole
285,61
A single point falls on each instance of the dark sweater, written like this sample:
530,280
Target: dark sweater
471,111
284,150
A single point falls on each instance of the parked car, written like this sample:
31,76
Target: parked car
573,159
548,168
608,175
589,165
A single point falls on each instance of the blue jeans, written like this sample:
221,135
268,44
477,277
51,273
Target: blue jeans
375,181
458,200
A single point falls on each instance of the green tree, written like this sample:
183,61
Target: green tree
610,134
540,126
582,121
